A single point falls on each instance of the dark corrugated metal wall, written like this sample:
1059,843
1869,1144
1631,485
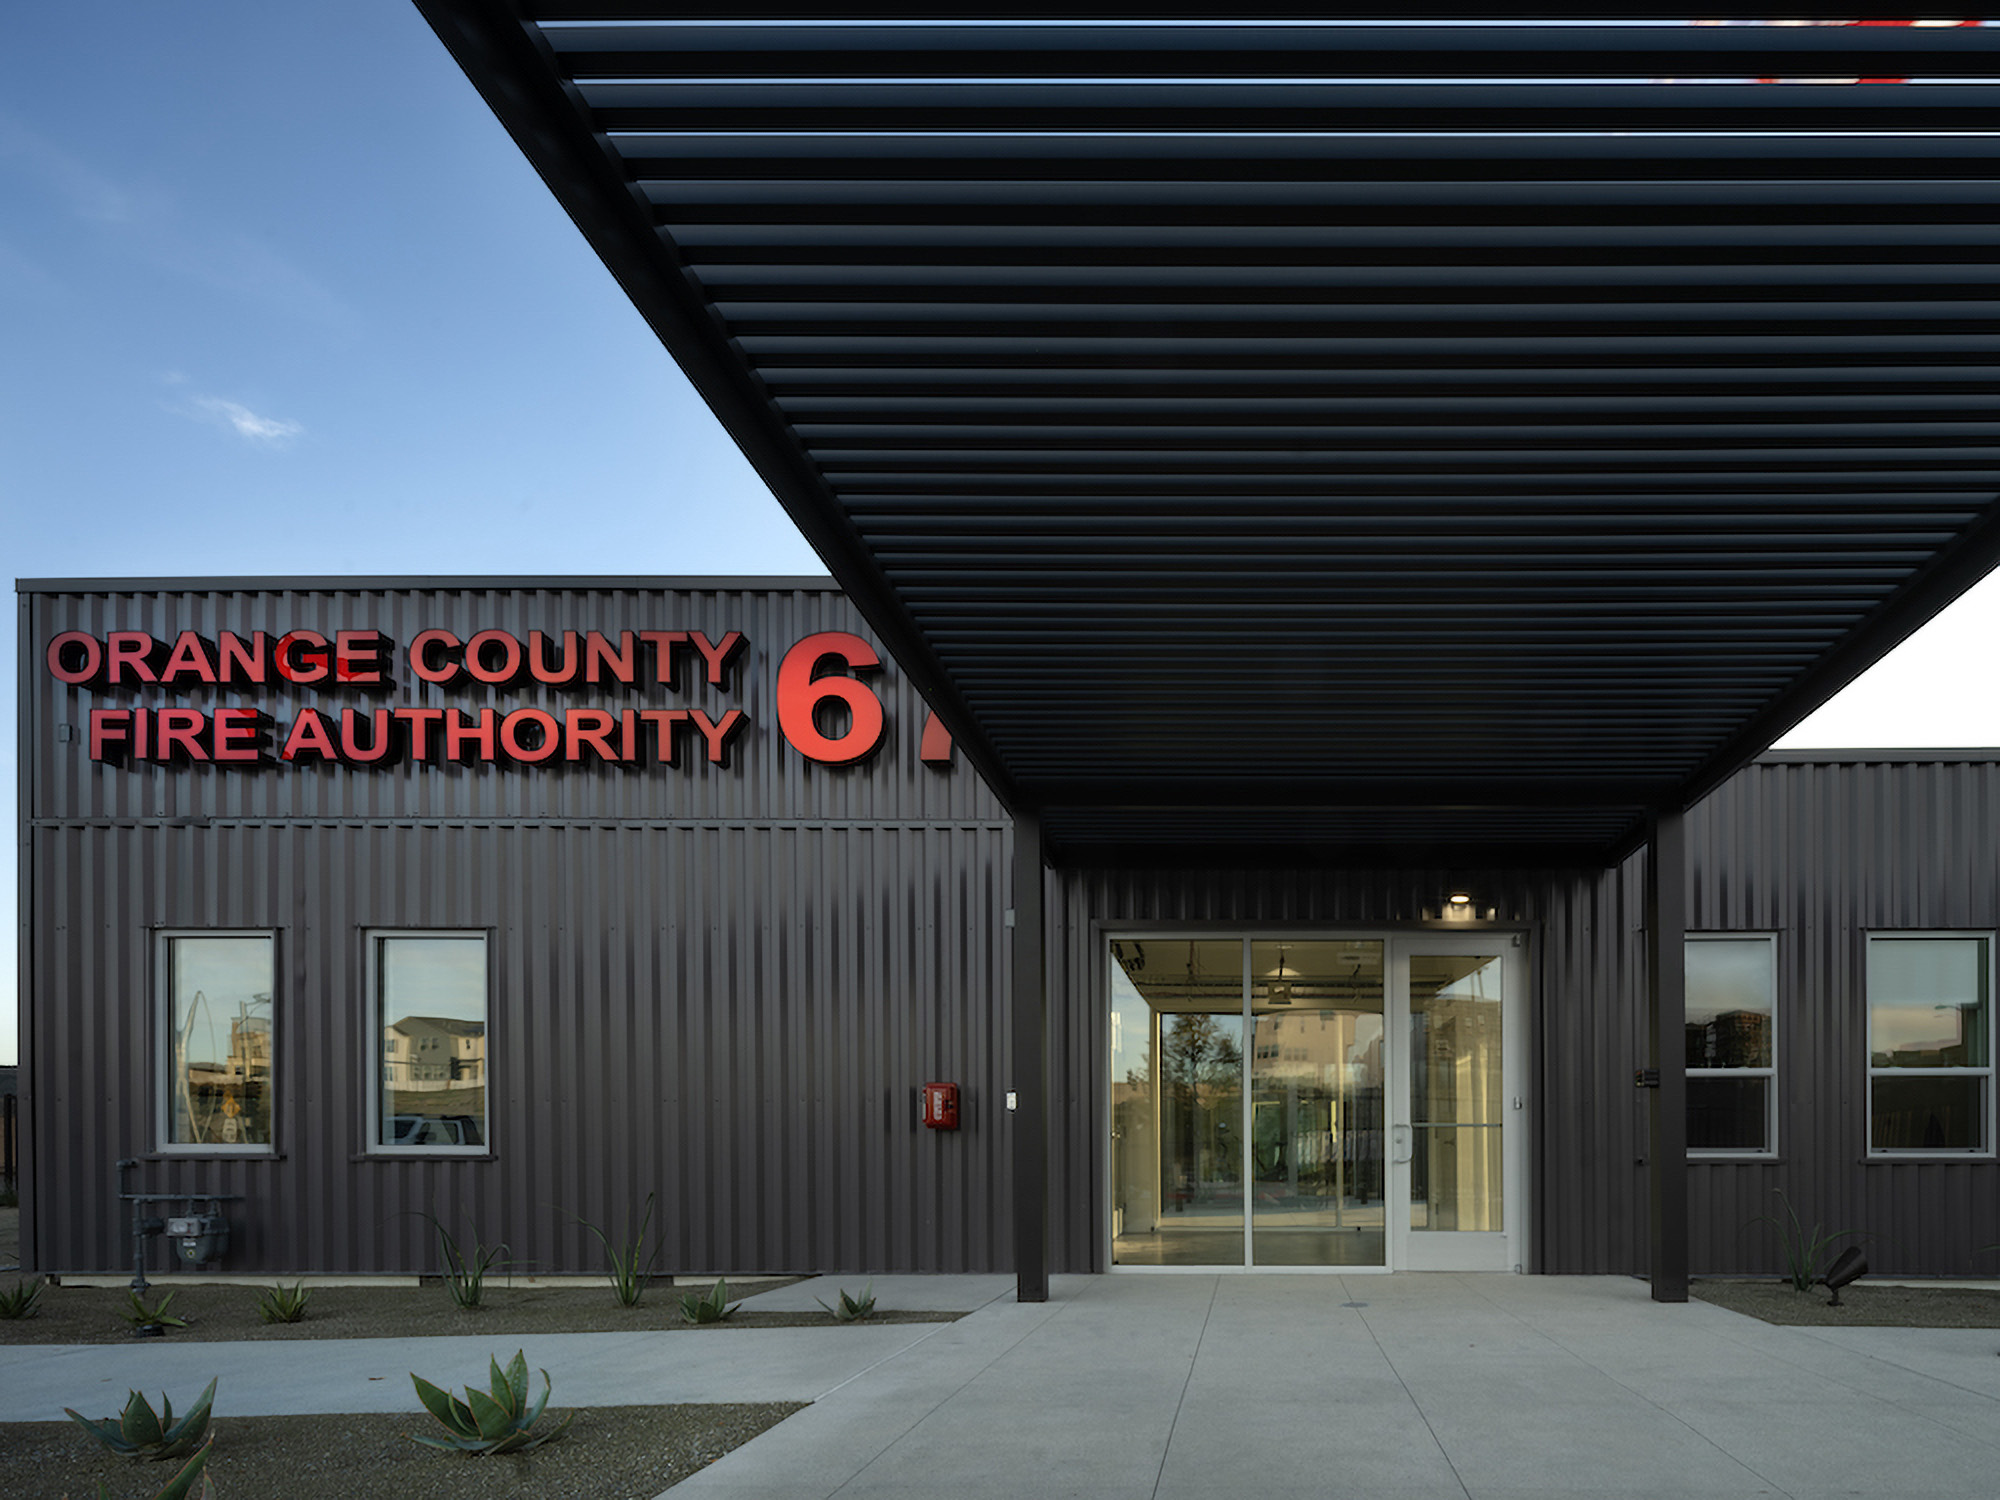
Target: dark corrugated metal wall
734,1011
1822,852
745,1038
725,984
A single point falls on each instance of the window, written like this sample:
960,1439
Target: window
1732,1046
1929,1061
216,1020
427,1004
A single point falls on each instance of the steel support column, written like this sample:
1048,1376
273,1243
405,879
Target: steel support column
1666,1022
1030,1115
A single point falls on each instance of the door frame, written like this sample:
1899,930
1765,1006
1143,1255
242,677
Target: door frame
1504,1249
1399,943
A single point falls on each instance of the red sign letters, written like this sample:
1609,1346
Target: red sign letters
825,711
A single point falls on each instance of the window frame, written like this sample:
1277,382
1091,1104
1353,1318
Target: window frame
1984,1151
1770,1150
161,1053
373,939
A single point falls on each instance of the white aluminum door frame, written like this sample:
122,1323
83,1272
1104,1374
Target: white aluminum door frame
1460,1250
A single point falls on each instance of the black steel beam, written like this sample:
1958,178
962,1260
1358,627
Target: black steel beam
1473,851
1248,790
1030,1114
1092,54
939,105
1666,1027
1150,12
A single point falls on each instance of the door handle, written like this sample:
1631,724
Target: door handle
1402,1144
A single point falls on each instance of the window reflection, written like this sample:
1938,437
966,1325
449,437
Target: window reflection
1731,1047
1177,1102
219,1040
1317,1101
1929,1067
1456,1092
431,1016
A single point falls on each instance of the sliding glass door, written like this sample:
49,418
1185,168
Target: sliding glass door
1247,1095
1177,1102
1314,1102
1316,1098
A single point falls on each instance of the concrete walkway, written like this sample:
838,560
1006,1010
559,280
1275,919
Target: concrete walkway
1176,1387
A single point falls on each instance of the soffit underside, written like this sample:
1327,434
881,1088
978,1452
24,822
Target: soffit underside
1338,437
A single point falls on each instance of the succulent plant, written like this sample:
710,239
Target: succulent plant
284,1304
710,1309
465,1271
851,1309
22,1301
139,1315
1802,1249
628,1265
139,1432
486,1423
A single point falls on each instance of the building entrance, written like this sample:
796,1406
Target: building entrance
1316,1102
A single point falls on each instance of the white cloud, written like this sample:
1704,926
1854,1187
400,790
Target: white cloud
272,431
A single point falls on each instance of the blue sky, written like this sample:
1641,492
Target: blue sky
278,296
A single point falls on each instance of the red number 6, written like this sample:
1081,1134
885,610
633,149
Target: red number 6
800,693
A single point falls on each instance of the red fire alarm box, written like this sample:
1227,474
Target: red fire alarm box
941,1106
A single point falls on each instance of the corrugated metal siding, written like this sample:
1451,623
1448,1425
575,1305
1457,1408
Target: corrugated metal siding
1822,853
736,1017
1587,1168
723,986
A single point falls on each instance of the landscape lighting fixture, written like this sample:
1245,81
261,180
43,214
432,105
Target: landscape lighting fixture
1849,1265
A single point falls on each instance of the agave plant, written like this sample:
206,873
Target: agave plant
465,1270
139,1432
1803,1249
284,1304
22,1301
852,1309
140,1314
627,1264
710,1309
486,1423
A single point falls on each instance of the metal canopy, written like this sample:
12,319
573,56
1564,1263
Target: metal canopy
1419,442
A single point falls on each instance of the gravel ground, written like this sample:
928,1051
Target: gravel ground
1862,1305
89,1315
610,1453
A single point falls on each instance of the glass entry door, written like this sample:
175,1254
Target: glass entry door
1456,1096
1177,1102
1316,1103
1248,1088
1350,1102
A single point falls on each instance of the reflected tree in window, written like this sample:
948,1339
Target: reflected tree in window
1201,1080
